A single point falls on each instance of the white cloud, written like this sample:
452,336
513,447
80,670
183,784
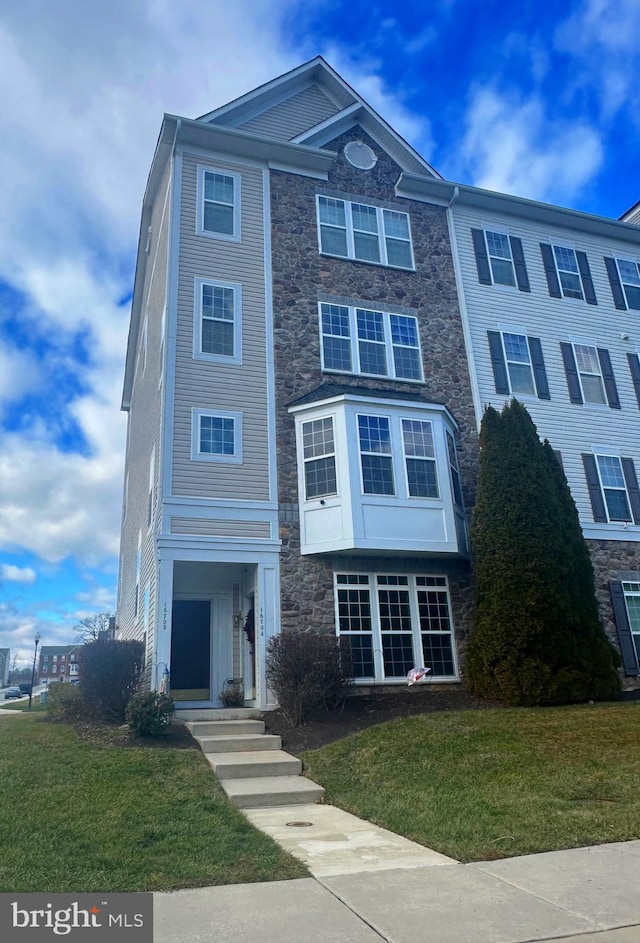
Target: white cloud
17,574
19,374
78,132
513,145
603,38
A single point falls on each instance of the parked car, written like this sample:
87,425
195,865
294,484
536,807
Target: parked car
25,687
12,692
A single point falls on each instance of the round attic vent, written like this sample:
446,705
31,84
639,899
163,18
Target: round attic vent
360,155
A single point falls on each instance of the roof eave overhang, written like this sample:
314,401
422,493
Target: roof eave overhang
445,193
382,400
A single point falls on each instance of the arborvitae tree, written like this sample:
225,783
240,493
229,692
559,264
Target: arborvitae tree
537,638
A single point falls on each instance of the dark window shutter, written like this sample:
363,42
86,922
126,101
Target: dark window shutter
571,370
482,259
522,276
500,377
631,479
587,281
609,380
550,270
634,367
625,638
616,286
558,455
595,493
539,372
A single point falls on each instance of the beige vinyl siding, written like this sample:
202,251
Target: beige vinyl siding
144,430
290,118
571,429
209,528
210,386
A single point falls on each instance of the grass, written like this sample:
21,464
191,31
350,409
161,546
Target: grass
77,816
23,705
479,785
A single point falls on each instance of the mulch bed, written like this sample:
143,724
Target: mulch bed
362,711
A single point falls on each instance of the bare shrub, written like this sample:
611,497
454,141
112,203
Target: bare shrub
307,670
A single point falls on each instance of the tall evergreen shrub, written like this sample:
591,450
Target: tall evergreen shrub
537,638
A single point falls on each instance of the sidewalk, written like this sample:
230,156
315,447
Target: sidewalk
584,895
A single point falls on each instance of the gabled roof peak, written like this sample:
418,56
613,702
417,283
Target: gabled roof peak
349,109
315,71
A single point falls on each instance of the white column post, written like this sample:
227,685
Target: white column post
164,602
267,615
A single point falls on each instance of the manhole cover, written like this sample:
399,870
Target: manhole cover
299,824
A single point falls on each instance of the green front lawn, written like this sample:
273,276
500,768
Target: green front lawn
478,785
23,705
80,816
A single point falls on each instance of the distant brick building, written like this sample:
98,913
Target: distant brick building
58,663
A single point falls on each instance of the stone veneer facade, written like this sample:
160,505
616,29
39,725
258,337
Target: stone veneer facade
614,560
301,278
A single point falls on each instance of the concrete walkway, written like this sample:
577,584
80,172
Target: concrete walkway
585,895
370,885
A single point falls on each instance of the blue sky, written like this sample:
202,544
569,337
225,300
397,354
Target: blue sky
538,99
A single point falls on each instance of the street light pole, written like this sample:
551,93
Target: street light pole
33,670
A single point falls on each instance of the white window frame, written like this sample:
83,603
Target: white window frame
420,458
624,284
315,458
559,271
196,455
500,232
601,453
628,592
349,229
411,586
397,456
198,318
517,332
209,233
591,346
388,455
354,342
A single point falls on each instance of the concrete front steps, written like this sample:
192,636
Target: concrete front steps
252,768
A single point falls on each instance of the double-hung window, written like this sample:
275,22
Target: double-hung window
613,487
218,204
216,436
217,321
393,622
624,278
366,233
518,364
422,479
632,599
385,442
589,373
568,273
319,456
500,259
374,436
374,343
